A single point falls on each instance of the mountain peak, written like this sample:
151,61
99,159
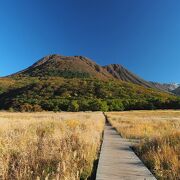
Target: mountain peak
65,66
57,58
45,59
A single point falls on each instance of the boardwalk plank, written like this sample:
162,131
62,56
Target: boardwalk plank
118,161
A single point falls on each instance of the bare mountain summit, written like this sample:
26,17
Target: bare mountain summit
65,66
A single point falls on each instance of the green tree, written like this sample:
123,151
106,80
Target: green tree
98,105
73,106
115,105
84,105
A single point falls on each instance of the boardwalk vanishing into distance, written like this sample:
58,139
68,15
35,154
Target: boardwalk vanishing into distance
118,161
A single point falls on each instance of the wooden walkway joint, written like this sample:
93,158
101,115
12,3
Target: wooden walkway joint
118,161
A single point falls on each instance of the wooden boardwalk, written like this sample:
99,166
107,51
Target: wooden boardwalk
118,161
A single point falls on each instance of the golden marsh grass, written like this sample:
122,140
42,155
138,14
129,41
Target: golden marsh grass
159,135
49,145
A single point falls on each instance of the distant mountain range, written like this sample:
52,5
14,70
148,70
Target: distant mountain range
82,67
169,87
177,91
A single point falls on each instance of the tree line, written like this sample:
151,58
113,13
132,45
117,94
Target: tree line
58,94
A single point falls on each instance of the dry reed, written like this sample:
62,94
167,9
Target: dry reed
159,135
49,145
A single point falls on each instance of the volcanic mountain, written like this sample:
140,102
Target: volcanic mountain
65,66
80,67
72,83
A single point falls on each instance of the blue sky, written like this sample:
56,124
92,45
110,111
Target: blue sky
142,35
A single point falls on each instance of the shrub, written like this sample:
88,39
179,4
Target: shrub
26,107
73,106
115,105
37,108
98,105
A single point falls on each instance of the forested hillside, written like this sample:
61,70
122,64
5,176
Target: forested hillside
60,94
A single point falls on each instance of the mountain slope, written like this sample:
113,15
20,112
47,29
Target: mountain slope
65,66
119,72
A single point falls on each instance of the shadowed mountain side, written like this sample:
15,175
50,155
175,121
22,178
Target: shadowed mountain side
123,74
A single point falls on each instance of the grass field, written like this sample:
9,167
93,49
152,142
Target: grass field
49,145
158,137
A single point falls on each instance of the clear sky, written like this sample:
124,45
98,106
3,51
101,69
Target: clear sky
142,35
